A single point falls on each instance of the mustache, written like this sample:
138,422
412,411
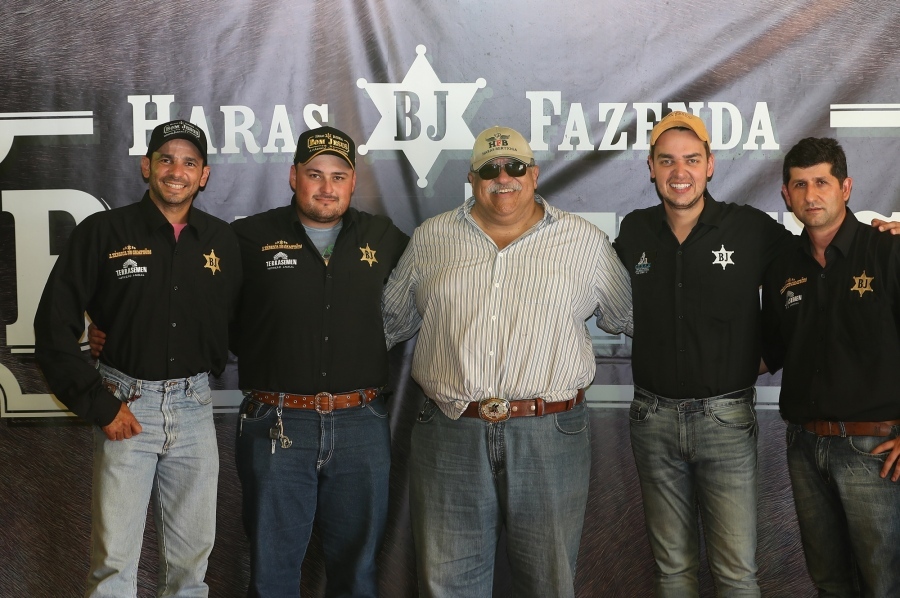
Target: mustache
325,196
498,187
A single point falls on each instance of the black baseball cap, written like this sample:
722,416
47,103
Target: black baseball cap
325,140
177,129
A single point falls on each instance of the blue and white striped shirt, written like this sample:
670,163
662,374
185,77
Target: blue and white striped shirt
505,323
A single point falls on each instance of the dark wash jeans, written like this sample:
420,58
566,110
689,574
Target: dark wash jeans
334,473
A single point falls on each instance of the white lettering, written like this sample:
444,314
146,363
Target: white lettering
618,110
280,130
577,127
233,128
142,124
717,134
643,124
538,119
761,126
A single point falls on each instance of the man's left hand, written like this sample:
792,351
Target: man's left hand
892,445
887,225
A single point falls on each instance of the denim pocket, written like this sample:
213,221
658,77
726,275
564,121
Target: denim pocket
572,422
201,393
253,411
864,445
639,411
734,415
378,407
427,412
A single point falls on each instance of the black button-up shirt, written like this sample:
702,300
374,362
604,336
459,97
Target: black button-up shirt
165,306
696,304
304,327
836,330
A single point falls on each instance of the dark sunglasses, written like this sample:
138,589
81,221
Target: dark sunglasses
492,171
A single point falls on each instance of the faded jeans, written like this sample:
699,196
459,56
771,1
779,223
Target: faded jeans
698,455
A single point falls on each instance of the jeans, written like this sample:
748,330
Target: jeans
336,473
849,516
690,454
172,464
469,477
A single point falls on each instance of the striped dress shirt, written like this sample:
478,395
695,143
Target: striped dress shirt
505,323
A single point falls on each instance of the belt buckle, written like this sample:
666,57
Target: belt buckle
319,408
493,409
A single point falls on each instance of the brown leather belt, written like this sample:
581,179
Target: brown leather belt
498,410
823,427
324,402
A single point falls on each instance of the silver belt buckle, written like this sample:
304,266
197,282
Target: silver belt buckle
493,409
318,403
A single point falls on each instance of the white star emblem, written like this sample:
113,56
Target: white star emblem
421,116
722,257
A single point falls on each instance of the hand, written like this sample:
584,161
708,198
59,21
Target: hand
125,425
887,225
892,445
96,339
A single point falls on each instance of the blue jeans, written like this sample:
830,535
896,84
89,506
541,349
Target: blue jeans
335,472
172,464
849,516
690,454
469,477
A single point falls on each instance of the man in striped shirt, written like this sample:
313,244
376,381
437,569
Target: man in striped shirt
501,288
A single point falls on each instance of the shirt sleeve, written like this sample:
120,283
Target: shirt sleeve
612,287
59,324
773,348
398,301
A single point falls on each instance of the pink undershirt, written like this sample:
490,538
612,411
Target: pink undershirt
178,228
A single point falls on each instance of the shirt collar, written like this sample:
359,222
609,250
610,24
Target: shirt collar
550,213
842,238
155,219
350,216
711,215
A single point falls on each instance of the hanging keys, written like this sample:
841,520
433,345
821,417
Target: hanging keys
276,432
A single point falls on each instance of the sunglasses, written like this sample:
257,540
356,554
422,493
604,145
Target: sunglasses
492,171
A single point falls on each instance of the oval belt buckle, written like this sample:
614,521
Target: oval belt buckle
330,406
493,409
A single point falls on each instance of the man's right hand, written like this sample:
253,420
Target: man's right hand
125,425
96,340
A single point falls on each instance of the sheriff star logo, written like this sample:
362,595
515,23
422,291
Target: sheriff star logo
722,257
212,262
421,116
862,283
368,255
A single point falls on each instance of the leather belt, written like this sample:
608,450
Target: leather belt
823,427
497,410
324,402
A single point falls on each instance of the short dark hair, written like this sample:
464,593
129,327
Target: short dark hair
811,151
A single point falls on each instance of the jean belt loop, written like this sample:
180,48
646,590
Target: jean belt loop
843,430
137,389
362,398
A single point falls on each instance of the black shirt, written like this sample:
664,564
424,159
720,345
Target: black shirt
304,327
836,330
696,305
165,306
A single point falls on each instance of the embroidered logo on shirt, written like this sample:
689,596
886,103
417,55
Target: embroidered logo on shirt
368,255
791,300
130,269
128,251
212,262
862,283
280,261
791,282
722,257
282,245
643,265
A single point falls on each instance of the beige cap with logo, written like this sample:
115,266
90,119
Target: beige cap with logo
500,142
677,119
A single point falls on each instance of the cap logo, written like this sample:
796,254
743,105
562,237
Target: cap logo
181,127
498,141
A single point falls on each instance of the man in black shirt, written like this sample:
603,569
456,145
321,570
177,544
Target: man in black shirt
831,312
313,440
696,265
162,278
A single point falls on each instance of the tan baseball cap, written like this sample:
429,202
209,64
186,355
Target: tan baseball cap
679,119
500,142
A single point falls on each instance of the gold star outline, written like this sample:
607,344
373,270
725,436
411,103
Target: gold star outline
368,255
862,283
212,262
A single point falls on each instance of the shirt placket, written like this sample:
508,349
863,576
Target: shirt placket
498,281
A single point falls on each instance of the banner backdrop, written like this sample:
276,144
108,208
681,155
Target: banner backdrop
412,83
